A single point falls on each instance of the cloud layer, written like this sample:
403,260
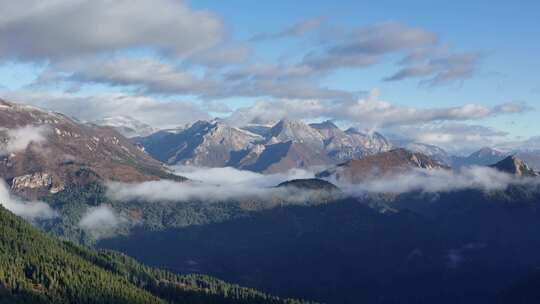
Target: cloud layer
210,185
481,178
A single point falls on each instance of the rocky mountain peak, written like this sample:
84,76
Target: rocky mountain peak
327,124
515,166
296,131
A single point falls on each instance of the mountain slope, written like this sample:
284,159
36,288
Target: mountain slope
202,144
38,269
350,144
452,247
281,157
436,153
382,164
44,151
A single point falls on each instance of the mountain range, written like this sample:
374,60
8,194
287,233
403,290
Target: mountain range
287,144
307,238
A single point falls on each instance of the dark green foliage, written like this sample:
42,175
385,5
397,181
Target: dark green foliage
457,247
74,201
35,268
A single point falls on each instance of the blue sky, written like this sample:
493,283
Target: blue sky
475,71
506,32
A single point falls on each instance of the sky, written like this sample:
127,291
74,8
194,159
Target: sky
458,74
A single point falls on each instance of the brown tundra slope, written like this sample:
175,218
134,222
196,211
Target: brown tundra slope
42,152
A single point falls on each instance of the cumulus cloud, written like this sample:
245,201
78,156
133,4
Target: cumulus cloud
100,220
38,30
211,185
439,180
29,210
18,139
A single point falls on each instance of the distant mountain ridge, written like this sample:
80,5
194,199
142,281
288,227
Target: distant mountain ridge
285,145
483,157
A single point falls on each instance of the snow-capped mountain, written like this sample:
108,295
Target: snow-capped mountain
127,126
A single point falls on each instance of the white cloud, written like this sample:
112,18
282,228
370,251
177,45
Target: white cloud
100,220
212,185
439,180
18,139
28,210
148,75
40,30
230,176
